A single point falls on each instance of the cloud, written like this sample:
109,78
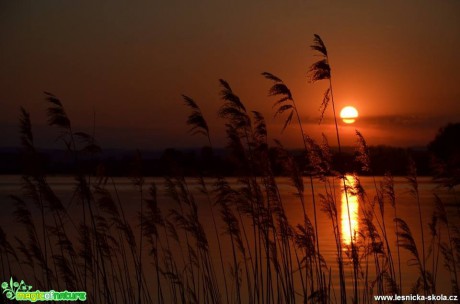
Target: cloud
403,121
409,121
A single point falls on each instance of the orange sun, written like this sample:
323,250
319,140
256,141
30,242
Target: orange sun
349,114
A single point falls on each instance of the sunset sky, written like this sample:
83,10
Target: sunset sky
397,62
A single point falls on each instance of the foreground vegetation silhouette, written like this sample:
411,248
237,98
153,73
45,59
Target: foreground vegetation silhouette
261,256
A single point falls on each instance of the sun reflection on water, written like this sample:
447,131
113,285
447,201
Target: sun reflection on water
351,209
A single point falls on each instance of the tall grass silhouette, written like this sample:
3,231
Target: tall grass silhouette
248,249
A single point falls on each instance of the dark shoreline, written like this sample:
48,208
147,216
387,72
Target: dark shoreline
204,162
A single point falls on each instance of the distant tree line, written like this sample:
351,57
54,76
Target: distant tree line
441,159
203,161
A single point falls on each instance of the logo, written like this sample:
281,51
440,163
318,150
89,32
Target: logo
22,292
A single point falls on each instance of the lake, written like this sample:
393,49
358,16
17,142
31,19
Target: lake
353,210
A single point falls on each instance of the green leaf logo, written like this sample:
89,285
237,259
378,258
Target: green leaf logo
10,289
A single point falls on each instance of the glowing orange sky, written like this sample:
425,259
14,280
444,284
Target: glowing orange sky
130,61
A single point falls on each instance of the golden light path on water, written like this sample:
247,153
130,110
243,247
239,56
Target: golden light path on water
349,211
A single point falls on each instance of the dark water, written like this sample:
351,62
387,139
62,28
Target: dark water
351,210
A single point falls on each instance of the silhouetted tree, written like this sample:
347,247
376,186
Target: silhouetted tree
445,149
